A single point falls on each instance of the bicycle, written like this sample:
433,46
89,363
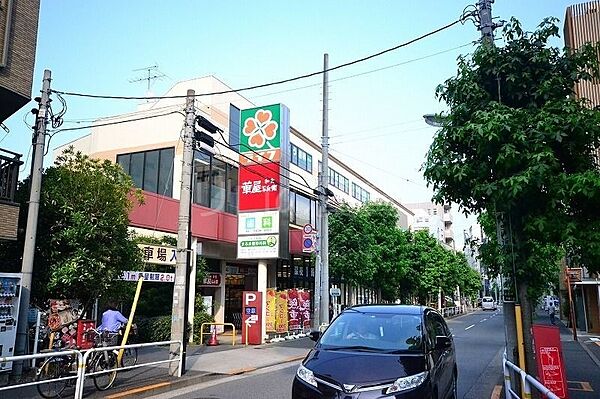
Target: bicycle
61,366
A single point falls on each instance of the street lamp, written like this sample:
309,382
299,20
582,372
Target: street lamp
433,120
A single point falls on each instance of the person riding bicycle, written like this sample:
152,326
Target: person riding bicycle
112,319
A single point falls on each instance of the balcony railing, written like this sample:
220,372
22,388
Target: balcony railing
9,174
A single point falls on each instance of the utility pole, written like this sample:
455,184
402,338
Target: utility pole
32,219
179,316
323,196
486,26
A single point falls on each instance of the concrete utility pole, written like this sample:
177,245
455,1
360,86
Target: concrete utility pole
324,233
486,26
179,317
32,219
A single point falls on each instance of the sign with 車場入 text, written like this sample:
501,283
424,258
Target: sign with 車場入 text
266,222
158,254
148,276
258,246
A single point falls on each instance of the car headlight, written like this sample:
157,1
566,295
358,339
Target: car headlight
405,383
306,375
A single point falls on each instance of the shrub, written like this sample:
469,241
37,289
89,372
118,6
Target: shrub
154,329
199,318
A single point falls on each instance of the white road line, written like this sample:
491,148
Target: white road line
471,326
482,320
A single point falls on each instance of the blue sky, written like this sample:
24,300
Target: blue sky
375,119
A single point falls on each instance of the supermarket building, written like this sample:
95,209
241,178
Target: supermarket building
150,151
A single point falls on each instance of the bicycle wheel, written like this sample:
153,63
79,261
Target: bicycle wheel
130,357
104,361
52,368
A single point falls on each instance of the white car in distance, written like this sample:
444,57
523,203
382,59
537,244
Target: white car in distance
487,303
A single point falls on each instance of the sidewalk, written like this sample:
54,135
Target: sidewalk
581,364
203,363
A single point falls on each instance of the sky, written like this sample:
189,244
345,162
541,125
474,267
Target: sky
375,107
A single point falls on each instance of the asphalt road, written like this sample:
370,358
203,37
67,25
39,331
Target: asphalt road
479,338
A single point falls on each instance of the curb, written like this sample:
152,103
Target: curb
163,386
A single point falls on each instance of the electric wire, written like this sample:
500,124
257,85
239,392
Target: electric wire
278,82
379,135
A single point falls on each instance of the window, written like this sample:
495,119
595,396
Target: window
339,181
234,127
303,209
216,183
360,193
300,158
151,171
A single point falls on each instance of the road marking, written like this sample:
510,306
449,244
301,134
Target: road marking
496,392
240,371
471,326
583,386
481,321
138,390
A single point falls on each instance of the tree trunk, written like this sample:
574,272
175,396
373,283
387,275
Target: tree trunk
527,314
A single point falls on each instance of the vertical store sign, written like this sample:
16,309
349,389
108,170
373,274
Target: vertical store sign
548,353
263,204
252,317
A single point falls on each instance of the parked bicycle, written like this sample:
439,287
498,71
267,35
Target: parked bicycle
61,367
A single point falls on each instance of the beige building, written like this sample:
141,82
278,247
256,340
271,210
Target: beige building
582,25
435,218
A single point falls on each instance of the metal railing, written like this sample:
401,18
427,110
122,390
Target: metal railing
82,358
233,335
527,382
452,311
43,356
82,367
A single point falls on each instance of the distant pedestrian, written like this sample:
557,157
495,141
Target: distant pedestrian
551,311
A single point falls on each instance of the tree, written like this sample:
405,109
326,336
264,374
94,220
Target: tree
83,243
517,145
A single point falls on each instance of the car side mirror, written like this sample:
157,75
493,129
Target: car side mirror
442,342
315,335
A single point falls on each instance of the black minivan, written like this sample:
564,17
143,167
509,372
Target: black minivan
380,351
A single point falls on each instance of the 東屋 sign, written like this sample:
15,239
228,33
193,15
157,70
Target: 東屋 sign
212,280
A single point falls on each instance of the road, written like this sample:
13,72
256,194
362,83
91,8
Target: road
479,338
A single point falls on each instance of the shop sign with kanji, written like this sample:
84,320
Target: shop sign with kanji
148,276
259,187
159,255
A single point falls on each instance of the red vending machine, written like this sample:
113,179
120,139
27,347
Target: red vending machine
252,317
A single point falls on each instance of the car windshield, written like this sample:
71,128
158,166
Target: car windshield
374,332
488,300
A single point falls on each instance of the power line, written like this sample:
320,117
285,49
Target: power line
379,168
380,135
115,122
308,75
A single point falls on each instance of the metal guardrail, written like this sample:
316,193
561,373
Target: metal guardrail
82,367
452,311
233,335
42,356
82,358
527,382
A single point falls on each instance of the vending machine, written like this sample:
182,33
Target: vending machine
10,290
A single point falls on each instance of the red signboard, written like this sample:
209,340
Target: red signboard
259,187
550,363
252,317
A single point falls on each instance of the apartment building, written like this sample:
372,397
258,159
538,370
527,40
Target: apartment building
435,218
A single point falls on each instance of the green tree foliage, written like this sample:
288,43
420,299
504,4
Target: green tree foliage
517,145
368,248
83,243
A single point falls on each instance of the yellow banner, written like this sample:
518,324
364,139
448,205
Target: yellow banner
271,309
281,312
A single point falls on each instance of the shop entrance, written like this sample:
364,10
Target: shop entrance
238,278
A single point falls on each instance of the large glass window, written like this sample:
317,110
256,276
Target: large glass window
234,127
300,158
217,192
215,183
302,209
339,181
360,193
150,170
